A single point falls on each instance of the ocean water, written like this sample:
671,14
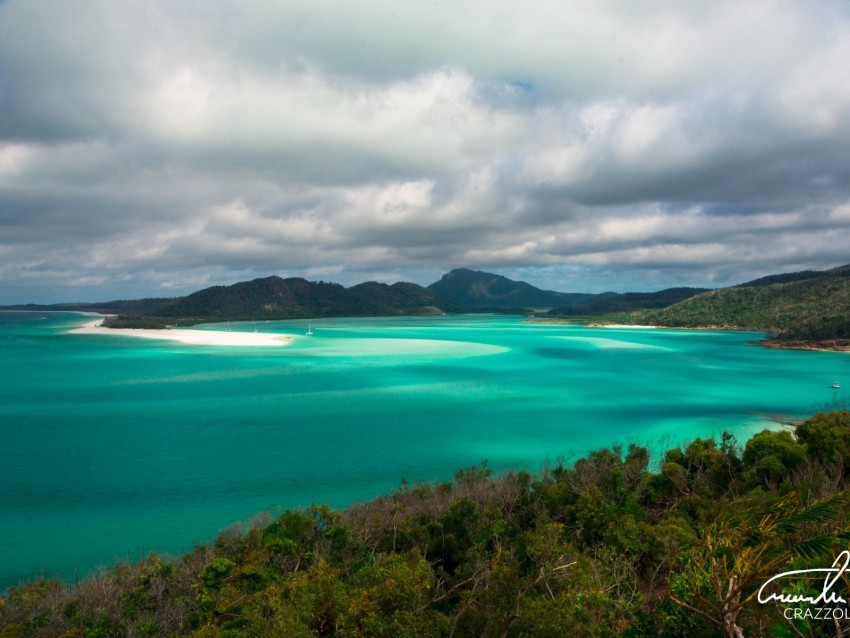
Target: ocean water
112,447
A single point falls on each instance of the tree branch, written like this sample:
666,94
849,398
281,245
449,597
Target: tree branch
699,612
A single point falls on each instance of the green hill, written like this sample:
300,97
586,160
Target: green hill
801,309
294,298
796,307
783,278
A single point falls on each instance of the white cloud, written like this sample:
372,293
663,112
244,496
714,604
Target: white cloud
162,144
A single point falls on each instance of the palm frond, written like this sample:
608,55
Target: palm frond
815,546
822,512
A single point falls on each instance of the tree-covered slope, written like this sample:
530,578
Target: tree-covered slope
277,298
400,298
806,308
783,278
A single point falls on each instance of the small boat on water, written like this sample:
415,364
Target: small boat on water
836,385
309,332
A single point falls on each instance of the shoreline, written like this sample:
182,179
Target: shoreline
827,345
189,336
254,339
631,326
831,345
785,420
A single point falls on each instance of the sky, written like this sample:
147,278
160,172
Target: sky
156,147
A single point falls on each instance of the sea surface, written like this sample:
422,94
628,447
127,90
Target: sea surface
112,447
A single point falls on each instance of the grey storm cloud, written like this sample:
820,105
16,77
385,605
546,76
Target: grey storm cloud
153,148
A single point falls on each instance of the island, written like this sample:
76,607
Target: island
800,310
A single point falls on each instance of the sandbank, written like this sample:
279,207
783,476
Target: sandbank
636,326
190,337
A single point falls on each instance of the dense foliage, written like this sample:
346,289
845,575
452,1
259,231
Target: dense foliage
611,545
294,298
135,321
795,308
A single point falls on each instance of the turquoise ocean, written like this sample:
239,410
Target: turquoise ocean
112,447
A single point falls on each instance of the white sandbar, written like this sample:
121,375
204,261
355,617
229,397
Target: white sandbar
627,325
191,337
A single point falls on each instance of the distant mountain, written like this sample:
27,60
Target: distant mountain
119,306
802,309
790,277
293,298
784,278
476,289
612,302
808,306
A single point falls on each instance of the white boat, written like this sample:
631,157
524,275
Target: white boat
309,332
836,385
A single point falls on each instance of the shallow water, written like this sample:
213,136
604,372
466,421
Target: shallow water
112,447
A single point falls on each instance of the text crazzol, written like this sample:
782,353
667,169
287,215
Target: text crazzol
826,595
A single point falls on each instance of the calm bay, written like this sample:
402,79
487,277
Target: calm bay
113,446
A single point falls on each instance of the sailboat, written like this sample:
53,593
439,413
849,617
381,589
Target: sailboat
309,332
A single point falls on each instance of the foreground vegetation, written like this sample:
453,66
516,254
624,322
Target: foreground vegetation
607,546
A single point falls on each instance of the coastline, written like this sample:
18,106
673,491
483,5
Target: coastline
188,336
253,339
785,420
827,345
590,324
633,326
830,345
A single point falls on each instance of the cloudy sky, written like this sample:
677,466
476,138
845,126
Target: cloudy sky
151,148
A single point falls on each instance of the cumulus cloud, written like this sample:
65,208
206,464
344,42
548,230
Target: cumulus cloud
153,148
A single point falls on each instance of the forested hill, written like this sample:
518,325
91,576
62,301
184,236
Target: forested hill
806,306
476,289
294,298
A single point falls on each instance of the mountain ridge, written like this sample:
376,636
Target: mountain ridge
799,309
295,298
478,289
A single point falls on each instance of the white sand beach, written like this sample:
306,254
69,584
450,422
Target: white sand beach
190,337
636,326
